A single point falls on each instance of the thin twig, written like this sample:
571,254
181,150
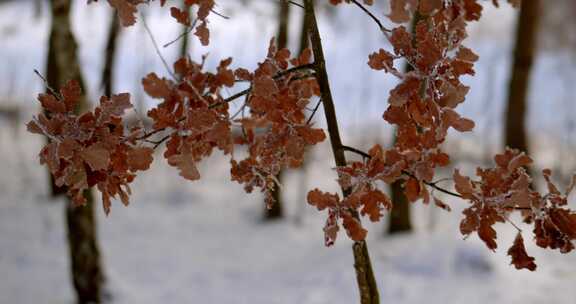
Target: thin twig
354,150
158,143
433,185
246,91
314,111
380,25
183,34
156,46
52,91
219,14
293,3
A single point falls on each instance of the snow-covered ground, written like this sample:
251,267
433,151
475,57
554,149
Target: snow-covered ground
204,242
181,242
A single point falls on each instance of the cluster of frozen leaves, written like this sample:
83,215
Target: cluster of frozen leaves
507,187
127,10
193,119
422,106
277,129
91,149
97,149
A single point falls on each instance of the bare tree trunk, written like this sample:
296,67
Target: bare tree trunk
109,59
63,65
87,275
367,286
399,220
53,79
524,52
275,211
304,38
185,46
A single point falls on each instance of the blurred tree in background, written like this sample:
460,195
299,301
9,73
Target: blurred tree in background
62,65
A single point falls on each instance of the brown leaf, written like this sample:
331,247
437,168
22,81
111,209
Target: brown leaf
381,60
126,11
487,234
51,104
463,185
463,124
353,227
565,221
156,87
203,33
470,222
264,86
139,158
182,16
311,136
472,9
118,104
466,54
399,11
412,189
34,128
373,202
520,160
96,156
400,94
71,93
322,200
185,163
427,7
441,204
521,259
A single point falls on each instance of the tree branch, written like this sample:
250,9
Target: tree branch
378,22
246,91
365,279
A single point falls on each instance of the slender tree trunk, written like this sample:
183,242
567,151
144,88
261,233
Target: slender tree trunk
364,274
399,220
53,79
304,38
185,46
283,21
109,59
524,52
87,275
275,211
63,64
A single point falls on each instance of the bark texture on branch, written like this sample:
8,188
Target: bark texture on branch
367,286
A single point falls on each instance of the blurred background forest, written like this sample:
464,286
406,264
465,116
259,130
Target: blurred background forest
208,241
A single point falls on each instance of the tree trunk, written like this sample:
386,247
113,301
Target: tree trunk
53,80
185,46
304,38
524,51
63,65
275,211
109,59
367,286
399,220
87,275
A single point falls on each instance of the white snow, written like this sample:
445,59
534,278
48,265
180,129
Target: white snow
204,242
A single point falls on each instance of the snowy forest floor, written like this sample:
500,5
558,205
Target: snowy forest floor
205,242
